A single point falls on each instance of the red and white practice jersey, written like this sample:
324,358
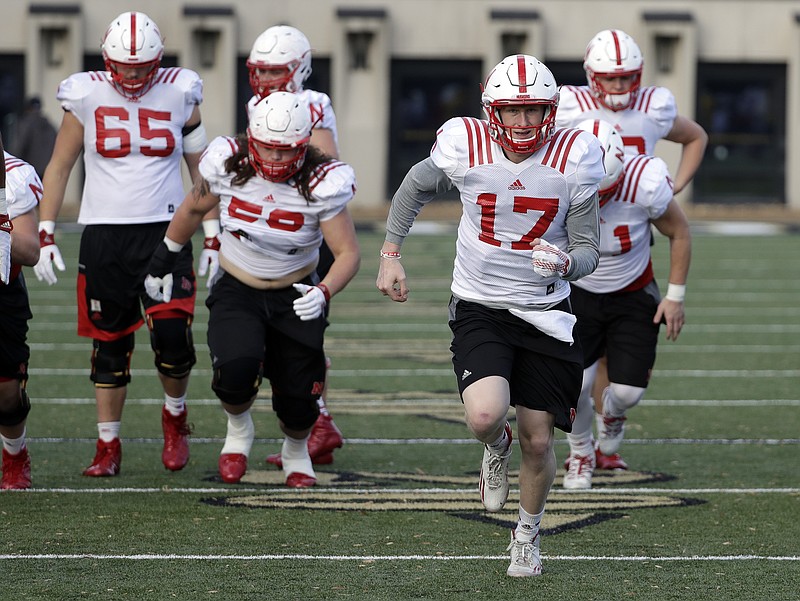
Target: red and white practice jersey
269,228
506,205
642,125
322,115
23,186
132,148
642,196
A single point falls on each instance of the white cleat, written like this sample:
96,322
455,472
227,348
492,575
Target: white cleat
525,559
494,477
579,474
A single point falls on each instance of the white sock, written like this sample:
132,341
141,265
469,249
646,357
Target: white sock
580,439
500,445
323,408
14,446
295,457
108,431
527,525
175,405
241,431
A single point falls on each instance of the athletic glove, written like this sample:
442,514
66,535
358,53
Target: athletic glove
49,255
311,304
209,257
158,283
548,260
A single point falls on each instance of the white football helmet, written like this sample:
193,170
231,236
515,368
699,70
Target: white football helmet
613,53
279,122
281,49
520,79
613,154
132,50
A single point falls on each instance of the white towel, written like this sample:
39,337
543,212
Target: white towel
557,324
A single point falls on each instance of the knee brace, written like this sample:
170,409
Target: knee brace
19,413
237,381
172,343
111,362
622,397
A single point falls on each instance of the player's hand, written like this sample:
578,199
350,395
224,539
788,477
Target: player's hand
672,314
311,304
209,259
158,283
548,260
49,255
5,248
391,280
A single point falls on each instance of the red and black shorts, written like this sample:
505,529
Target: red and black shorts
543,373
619,326
15,311
112,267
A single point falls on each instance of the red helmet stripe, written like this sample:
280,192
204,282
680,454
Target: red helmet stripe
616,46
133,34
523,78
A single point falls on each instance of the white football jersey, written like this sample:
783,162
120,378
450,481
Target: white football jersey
641,126
268,228
506,205
132,148
23,186
322,115
642,196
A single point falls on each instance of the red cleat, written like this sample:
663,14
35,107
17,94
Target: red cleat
325,437
232,466
107,460
298,480
16,470
609,462
176,440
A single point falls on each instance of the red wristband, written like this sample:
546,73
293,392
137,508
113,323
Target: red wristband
325,292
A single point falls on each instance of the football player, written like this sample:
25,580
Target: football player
619,306
279,198
20,196
642,115
280,61
133,123
5,229
528,228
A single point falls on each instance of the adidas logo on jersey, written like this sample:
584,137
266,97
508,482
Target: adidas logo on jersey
269,198
517,185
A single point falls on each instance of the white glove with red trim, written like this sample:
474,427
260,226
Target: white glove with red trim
548,260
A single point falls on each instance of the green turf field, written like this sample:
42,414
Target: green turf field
708,510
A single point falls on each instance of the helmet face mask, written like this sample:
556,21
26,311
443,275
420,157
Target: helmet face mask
278,135
613,155
132,49
520,81
280,60
612,53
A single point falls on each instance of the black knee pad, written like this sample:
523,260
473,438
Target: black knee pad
111,362
237,381
171,341
295,413
19,413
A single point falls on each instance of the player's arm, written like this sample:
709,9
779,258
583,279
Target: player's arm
194,143
197,204
422,183
340,236
583,230
322,138
675,226
25,239
694,138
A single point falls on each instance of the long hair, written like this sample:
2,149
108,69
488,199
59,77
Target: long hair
239,163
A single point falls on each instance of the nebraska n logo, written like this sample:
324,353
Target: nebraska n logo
517,185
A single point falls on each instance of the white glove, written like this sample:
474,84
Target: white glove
209,260
311,304
159,289
49,254
548,260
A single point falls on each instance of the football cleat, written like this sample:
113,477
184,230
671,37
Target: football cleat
611,434
579,473
525,560
300,480
232,466
176,440
16,470
493,482
325,437
609,462
107,459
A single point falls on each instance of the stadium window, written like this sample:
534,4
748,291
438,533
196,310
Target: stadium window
743,109
424,94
